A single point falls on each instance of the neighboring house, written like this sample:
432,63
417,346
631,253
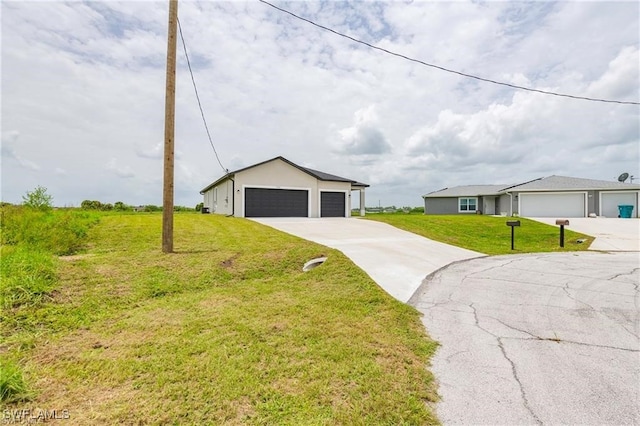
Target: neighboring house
553,196
280,188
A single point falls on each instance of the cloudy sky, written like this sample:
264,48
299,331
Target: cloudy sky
83,94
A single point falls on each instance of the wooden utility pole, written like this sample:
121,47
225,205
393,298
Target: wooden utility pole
169,130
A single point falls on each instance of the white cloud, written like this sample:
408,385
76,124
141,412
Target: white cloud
120,171
156,152
83,87
364,137
9,141
621,78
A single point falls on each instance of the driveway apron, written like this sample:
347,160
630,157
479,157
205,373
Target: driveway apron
395,259
536,339
612,234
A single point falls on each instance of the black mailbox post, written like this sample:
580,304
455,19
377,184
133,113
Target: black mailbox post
562,223
512,224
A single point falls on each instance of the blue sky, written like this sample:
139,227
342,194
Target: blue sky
83,94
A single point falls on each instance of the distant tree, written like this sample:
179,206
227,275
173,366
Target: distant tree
120,206
91,205
106,207
199,207
38,199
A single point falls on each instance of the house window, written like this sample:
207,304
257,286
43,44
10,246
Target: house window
468,204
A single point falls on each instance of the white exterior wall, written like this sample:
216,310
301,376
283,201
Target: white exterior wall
276,175
219,198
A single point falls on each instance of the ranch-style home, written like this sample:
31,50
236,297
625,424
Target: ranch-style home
553,196
281,188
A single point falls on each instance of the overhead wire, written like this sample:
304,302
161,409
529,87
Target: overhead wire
195,88
487,80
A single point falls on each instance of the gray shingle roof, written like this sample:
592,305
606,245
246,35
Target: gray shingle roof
315,173
467,191
550,183
559,183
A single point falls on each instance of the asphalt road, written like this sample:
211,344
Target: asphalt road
531,339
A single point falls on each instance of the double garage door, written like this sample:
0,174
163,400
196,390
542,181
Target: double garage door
267,202
560,205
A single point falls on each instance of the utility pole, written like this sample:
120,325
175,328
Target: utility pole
169,130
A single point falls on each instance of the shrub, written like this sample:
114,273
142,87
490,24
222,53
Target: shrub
60,232
12,384
38,199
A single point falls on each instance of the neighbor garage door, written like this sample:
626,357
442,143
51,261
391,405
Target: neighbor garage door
332,204
611,200
560,205
263,202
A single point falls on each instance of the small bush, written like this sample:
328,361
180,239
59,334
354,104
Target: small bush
38,199
12,384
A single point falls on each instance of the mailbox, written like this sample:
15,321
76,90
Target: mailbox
512,223
562,223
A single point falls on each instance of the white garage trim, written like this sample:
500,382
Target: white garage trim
347,201
571,208
603,211
296,188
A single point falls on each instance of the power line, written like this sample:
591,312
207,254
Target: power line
513,86
195,88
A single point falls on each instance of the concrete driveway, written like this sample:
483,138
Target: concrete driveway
395,259
545,338
612,234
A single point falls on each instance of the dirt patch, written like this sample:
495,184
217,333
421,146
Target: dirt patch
228,263
74,257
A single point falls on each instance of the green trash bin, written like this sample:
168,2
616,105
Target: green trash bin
625,211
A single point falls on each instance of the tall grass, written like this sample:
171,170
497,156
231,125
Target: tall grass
30,240
12,383
60,232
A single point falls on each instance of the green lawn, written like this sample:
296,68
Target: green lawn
486,234
226,330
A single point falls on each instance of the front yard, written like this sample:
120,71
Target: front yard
486,234
226,330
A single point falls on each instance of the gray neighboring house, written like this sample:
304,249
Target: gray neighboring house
553,196
281,188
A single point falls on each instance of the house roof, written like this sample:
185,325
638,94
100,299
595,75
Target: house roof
315,173
466,191
559,183
549,183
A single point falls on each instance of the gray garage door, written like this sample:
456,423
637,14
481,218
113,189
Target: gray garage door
262,202
332,204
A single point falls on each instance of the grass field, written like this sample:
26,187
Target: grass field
226,330
486,234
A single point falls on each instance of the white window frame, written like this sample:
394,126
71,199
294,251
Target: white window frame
467,198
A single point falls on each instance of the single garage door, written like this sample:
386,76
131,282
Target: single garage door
560,205
263,202
611,200
332,204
